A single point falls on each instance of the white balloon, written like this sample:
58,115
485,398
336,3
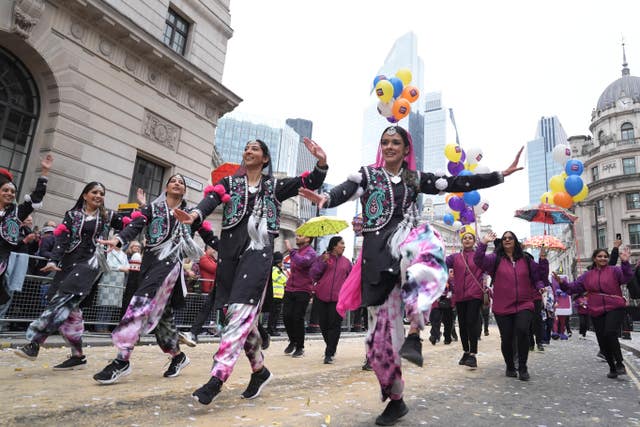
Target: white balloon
457,225
385,108
474,155
561,153
481,169
481,207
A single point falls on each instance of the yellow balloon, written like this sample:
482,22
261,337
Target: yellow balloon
470,167
582,194
456,215
564,175
453,152
547,198
384,90
556,184
404,74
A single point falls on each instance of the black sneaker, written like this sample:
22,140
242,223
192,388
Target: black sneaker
367,366
113,372
463,358
523,374
258,381
178,362
290,348
72,363
29,351
540,347
298,353
601,356
412,349
447,342
395,410
433,340
612,374
328,360
274,333
531,348
620,369
208,392
471,361
511,373
486,333
188,338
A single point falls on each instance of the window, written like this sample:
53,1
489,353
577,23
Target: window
602,237
148,176
633,200
175,32
626,132
629,165
601,137
600,207
594,173
634,235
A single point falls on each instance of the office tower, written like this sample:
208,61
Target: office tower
305,161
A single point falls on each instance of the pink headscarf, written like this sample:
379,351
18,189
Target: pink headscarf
410,158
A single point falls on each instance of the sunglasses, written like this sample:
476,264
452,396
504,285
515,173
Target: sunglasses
507,238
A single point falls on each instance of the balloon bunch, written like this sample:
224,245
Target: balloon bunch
395,95
566,188
464,207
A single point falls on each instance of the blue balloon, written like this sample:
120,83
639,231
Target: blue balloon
573,167
465,173
471,198
573,184
448,218
397,86
378,78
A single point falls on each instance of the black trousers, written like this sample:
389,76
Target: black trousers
584,324
294,307
514,330
204,313
607,327
485,311
535,332
330,325
469,323
442,316
274,315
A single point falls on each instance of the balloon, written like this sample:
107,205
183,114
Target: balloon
453,152
474,155
404,74
564,175
456,215
547,198
456,203
410,93
384,90
457,224
563,199
397,86
481,207
574,167
556,184
471,198
582,194
465,173
377,79
561,153
448,219
401,108
392,119
467,216
447,197
463,157
385,108
455,168
573,184
482,169
470,167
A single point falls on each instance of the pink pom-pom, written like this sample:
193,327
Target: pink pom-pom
225,198
136,214
60,229
206,226
209,189
305,174
219,189
126,220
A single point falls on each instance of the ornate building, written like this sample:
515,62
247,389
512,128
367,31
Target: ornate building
611,170
126,93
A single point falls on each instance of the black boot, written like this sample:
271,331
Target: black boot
395,410
412,349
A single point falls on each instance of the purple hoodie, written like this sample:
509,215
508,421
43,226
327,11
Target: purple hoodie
465,287
602,286
330,276
512,282
299,279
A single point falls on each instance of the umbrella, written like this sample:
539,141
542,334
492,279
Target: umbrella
549,242
322,226
546,214
225,169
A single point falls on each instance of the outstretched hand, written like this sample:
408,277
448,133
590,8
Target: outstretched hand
46,164
315,198
184,217
50,267
316,151
141,197
489,237
625,254
513,167
110,243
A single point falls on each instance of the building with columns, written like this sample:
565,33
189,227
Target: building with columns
123,92
611,156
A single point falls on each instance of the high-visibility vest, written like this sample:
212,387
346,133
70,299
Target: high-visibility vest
279,280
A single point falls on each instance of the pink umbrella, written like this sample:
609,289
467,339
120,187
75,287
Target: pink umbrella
549,242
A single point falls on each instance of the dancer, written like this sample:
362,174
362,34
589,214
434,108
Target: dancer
167,242
605,302
515,275
388,192
251,220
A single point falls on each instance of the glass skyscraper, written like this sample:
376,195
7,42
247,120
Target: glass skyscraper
435,138
540,164
305,161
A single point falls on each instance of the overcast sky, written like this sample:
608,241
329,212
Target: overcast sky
501,65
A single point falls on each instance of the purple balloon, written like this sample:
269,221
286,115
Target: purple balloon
464,157
392,119
455,168
456,203
467,216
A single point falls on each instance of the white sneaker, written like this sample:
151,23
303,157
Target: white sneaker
188,338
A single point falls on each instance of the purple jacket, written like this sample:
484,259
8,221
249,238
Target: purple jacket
330,276
299,279
602,286
465,287
513,284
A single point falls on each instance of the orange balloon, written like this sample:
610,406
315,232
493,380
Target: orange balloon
410,93
401,108
447,197
563,199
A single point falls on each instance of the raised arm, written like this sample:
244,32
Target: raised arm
486,262
26,207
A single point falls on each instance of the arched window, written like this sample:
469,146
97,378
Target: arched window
601,137
626,132
19,106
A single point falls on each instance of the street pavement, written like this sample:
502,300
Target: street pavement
568,387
